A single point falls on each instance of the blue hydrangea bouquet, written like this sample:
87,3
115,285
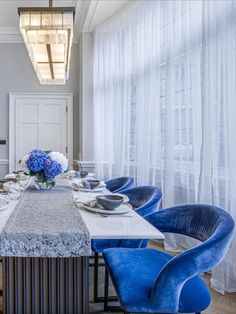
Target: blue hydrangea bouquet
44,167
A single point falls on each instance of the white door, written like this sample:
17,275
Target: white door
40,122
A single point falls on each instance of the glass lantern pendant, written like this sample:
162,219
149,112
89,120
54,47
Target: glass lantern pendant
48,36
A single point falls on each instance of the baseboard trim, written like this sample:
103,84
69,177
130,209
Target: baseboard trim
85,165
4,162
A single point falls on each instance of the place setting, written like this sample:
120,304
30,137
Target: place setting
78,175
105,205
12,187
88,185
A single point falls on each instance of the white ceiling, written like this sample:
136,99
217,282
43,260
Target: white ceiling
89,14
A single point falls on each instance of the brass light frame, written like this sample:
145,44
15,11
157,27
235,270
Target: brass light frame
50,62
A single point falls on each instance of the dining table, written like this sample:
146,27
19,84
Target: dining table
45,245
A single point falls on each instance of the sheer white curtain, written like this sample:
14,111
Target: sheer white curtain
218,157
164,105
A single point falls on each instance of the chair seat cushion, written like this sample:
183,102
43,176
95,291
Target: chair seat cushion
98,246
133,273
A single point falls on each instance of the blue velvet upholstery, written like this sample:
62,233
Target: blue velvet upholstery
166,284
120,184
145,200
139,268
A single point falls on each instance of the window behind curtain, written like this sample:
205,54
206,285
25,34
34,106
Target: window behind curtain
164,104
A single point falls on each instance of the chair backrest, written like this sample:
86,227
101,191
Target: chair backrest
144,199
117,185
209,224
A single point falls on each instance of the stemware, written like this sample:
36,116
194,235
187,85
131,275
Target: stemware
13,189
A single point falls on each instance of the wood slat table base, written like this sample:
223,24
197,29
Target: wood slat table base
45,285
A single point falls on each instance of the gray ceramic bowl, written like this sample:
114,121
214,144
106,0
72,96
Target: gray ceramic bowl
90,183
110,201
83,174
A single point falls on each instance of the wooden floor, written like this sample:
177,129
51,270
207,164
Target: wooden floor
221,304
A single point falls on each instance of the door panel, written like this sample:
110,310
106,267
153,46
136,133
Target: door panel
28,112
28,138
40,123
52,112
50,137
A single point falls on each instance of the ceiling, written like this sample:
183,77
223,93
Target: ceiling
89,14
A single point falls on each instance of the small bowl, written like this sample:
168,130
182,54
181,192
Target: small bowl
83,174
90,183
110,201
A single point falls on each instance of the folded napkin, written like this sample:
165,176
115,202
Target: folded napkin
87,200
76,181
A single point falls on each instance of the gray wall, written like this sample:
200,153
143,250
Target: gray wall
17,75
86,97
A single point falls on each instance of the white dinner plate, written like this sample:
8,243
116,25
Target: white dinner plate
122,209
3,204
99,189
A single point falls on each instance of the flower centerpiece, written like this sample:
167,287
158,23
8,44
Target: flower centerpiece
44,167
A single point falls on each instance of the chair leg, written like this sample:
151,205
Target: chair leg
96,298
106,290
95,278
107,298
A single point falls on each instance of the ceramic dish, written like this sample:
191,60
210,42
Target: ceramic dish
122,209
110,201
90,184
126,199
82,174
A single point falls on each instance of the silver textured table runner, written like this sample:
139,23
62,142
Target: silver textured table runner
45,224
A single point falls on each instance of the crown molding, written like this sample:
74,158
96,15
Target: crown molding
82,16
10,35
84,13
87,27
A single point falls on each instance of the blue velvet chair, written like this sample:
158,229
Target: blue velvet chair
151,281
120,184
145,200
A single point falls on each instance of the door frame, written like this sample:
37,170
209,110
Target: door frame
12,121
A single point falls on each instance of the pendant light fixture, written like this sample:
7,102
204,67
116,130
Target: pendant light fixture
48,36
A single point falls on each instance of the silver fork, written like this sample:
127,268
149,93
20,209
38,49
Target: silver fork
112,216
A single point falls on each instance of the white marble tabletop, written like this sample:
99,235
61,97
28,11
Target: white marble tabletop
119,227
128,226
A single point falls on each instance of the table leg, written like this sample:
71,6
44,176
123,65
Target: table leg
45,285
